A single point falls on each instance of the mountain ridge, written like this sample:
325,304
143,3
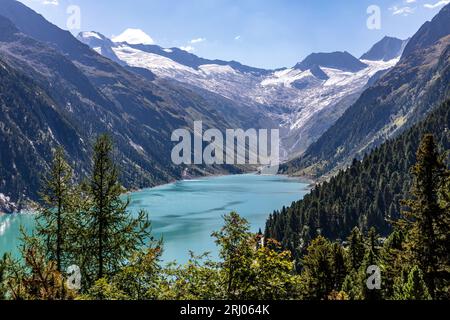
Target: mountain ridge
292,97
397,100
336,60
91,95
386,49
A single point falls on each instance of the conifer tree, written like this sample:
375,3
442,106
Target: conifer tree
414,288
371,258
54,217
356,250
352,286
425,218
317,275
35,277
444,240
113,233
392,261
3,264
339,266
236,250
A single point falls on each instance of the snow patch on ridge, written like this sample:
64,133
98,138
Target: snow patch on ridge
294,98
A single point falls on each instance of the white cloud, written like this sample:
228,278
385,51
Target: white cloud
404,11
189,49
134,36
437,4
198,40
410,1
237,37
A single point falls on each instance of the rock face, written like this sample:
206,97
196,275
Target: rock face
60,90
400,98
55,91
336,60
387,49
304,100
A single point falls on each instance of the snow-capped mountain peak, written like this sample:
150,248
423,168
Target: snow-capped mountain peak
134,36
316,91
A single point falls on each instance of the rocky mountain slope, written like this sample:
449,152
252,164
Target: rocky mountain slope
387,49
316,91
69,92
400,98
58,91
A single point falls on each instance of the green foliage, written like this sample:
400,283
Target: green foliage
104,290
419,240
393,260
366,195
3,266
55,217
36,277
426,221
112,233
199,279
317,281
356,250
413,287
120,261
270,274
250,270
137,280
235,243
371,258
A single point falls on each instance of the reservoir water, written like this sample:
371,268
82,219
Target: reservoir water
185,213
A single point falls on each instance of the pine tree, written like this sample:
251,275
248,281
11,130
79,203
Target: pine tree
35,277
113,234
352,286
54,217
236,250
425,214
372,258
317,275
356,249
392,261
414,288
3,264
443,229
339,266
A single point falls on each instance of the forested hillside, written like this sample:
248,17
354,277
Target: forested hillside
86,94
22,159
366,195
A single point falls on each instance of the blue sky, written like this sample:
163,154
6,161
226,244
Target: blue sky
261,33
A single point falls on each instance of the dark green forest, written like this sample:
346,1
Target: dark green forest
366,195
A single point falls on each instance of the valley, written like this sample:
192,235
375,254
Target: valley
296,98
131,170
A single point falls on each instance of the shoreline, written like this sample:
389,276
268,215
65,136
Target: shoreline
308,181
303,179
253,195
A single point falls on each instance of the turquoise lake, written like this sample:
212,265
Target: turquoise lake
185,213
